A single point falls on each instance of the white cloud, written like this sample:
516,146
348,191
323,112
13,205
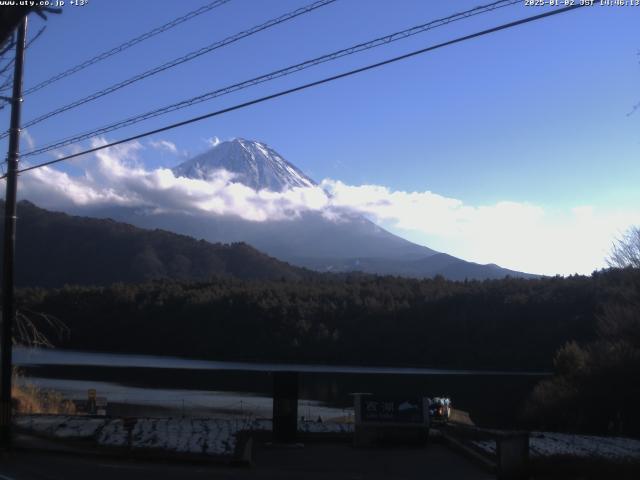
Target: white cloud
70,150
164,145
213,141
520,236
516,235
115,176
28,139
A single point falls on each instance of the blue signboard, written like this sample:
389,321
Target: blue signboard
392,410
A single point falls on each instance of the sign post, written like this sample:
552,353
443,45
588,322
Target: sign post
91,401
390,420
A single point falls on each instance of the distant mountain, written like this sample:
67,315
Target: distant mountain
260,167
310,236
351,244
53,249
253,164
448,266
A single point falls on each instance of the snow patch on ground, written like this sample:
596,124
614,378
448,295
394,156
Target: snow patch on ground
304,427
548,444
62,426
187,435
113,434
326,427
205,436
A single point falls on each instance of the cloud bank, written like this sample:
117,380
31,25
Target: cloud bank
520,236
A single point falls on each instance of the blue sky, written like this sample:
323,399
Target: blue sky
536,116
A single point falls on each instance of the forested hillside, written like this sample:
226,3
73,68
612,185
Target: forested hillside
498,324
54,249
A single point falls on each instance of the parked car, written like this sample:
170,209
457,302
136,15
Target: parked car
440,409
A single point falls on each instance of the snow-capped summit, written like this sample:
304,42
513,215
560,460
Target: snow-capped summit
253,163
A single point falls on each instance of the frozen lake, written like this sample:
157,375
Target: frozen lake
167,386
24,356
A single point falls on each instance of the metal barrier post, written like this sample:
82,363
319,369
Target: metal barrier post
512,452
285,406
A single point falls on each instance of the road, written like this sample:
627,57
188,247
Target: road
313,461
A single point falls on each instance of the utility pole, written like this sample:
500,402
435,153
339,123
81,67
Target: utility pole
8,300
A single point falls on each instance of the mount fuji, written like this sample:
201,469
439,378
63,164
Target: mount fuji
253,163
352,244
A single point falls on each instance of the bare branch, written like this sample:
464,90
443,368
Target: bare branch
8,46
30,327
9,63
626,250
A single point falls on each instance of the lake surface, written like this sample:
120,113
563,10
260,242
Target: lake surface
169,385
29,356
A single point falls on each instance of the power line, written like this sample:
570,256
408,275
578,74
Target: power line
308,85
178,61
126,45
274,75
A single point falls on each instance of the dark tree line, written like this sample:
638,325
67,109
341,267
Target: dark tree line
509,324
596,386
585,329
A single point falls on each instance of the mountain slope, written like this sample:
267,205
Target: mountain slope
450,267
260,167
309,236
354,243
53,249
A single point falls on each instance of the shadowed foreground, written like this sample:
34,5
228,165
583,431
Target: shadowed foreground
313,461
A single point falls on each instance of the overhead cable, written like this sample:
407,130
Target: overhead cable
177,61
271,76
308,85
126,45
